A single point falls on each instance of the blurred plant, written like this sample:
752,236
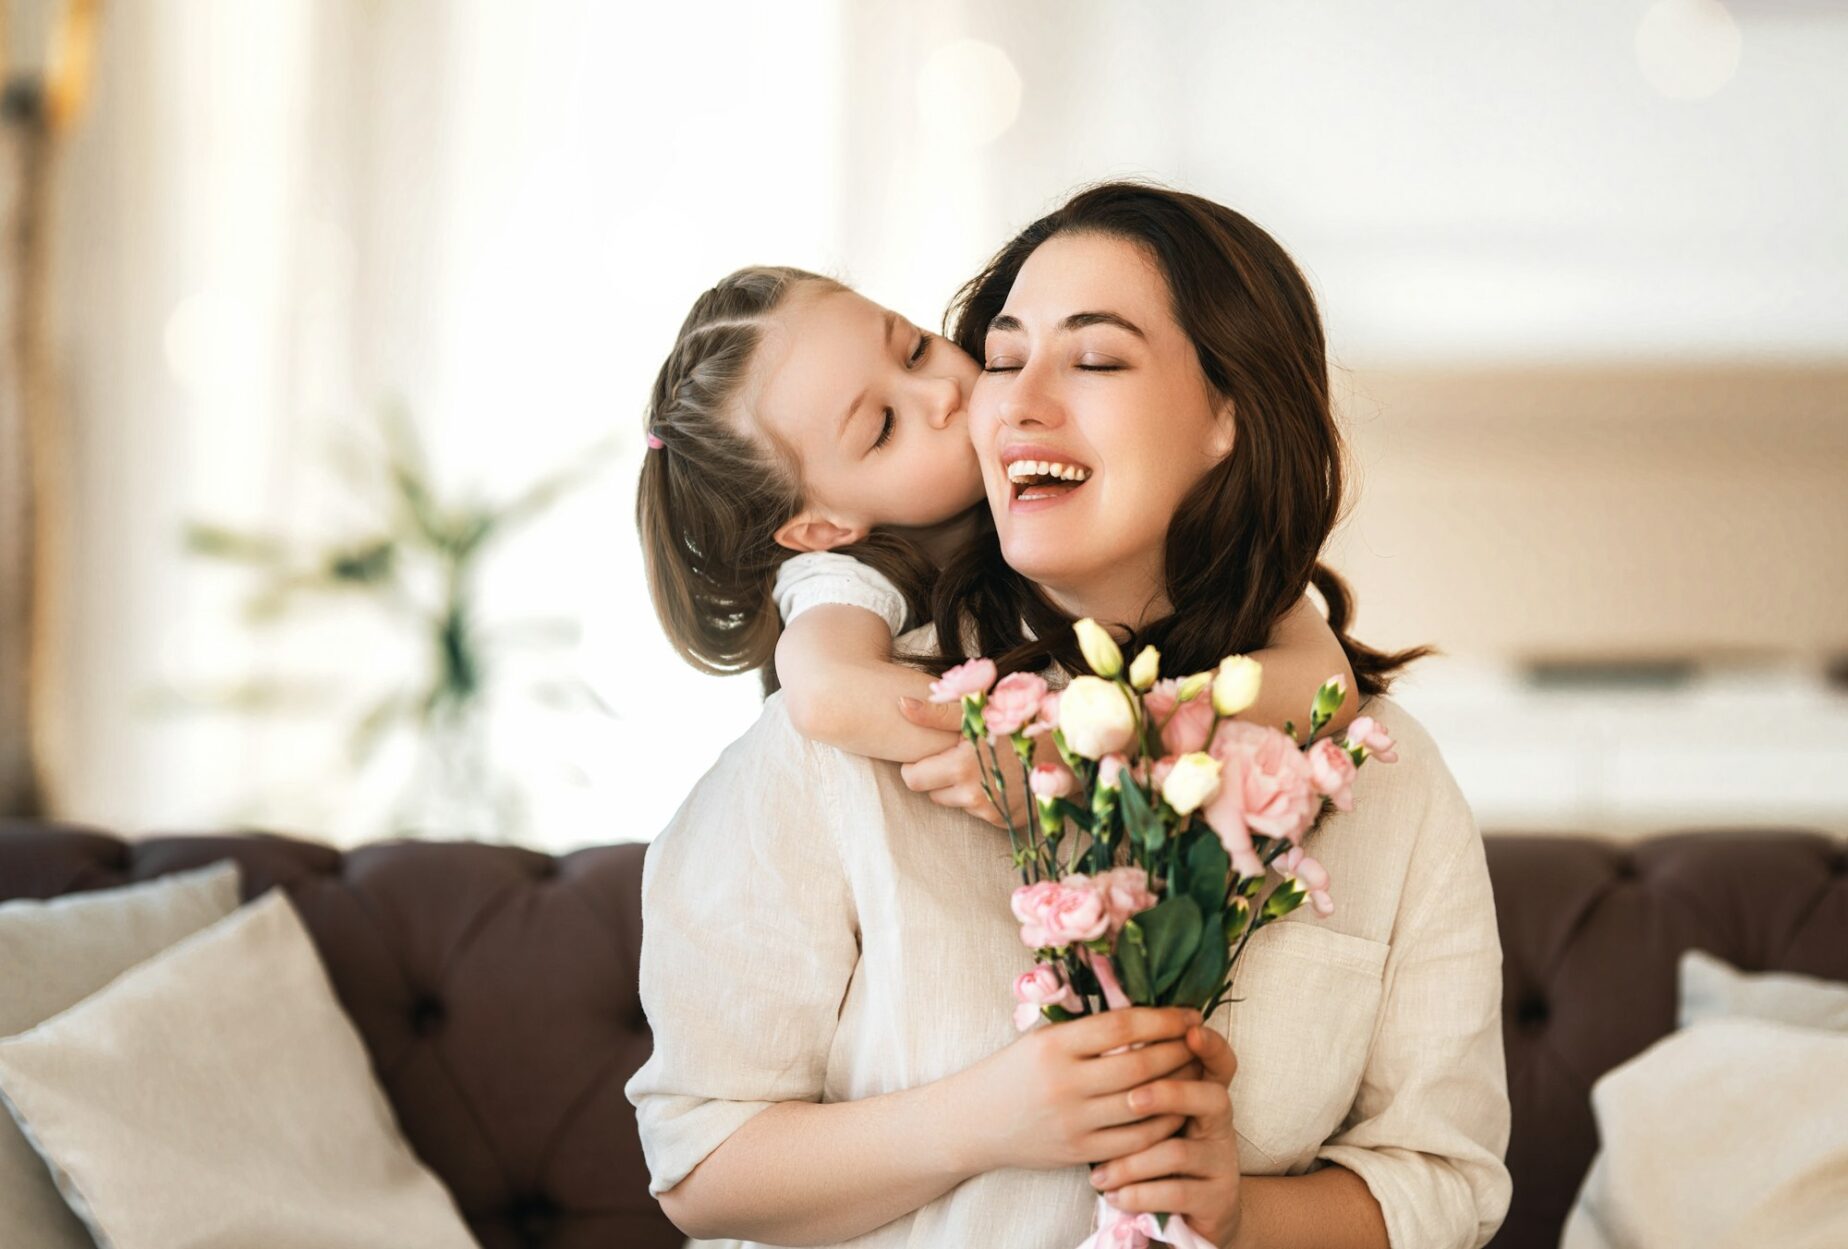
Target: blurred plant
420,568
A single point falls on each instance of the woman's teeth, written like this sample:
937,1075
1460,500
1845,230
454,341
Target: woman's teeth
1040,479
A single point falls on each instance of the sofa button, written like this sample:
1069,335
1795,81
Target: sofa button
534,1217
1532,1014
426,1015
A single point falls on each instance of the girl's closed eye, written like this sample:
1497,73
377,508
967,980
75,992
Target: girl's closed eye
920,351
885,430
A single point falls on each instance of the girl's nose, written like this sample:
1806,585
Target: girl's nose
943,402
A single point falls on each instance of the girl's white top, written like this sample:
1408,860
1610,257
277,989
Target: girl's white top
813,930
817,577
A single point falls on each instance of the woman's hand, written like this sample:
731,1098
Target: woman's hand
1195,1173
953,778
1057,1097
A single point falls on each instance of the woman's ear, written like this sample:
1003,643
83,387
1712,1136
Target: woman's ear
809,532
1225,429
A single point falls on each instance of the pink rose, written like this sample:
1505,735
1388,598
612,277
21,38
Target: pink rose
1013,703
1048,718
973,677
1368,732
1107,982
1264,788
1051,780
1055,915
1043,986
1126,894
1184,726
1331,771
1313,876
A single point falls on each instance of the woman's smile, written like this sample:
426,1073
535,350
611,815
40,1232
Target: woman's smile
1042,476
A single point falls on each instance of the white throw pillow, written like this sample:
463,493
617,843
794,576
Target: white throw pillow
53,954
1714,989
217,1095
1730,1134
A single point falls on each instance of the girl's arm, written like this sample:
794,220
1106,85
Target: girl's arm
842,688
1303,653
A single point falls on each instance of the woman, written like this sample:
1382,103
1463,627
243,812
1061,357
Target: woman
827,955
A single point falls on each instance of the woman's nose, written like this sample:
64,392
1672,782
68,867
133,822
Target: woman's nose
1027,403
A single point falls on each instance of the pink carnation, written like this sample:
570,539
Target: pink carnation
1370,733
1184,726
973,677
1126,894
1043,986
1048,718
1264,789
1109,771
1313,876
1051,780
1064,913
1331,771
1013,704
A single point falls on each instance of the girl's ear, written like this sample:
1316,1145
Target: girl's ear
809,532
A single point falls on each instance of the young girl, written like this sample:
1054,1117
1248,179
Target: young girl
809,468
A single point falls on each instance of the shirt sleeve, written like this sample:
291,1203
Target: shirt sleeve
1429,1128
817,577
749,941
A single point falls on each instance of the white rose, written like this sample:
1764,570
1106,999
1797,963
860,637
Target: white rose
1235,685
1192,782
1100,649
1147,667
1095,717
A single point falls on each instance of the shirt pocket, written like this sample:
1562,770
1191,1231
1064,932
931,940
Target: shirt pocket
1302,1032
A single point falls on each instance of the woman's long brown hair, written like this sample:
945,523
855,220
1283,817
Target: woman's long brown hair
1244,544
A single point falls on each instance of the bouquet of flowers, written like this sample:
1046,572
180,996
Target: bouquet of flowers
1184,811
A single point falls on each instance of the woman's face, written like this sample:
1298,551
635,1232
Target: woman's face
875,411
1087,368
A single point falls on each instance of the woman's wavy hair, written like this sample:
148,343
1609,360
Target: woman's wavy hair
1244,544
713,494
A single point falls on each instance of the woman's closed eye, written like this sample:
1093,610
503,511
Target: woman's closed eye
1009,366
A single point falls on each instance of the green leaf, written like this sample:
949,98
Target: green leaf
1144,825
1075,813
1172,930
1204,971
1207,868
1133,961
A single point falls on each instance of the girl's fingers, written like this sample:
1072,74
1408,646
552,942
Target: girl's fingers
1131,1138
933,771
945,717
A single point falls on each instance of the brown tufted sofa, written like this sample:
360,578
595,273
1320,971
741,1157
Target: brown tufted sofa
496,990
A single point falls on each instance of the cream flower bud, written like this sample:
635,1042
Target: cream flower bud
1095,717
1100,649
1147,667
1192,782
1235,685
1191,687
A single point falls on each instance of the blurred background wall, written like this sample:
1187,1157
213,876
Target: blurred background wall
1583,270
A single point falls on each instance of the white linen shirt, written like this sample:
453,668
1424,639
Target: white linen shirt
813,930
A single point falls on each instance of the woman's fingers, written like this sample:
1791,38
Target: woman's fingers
934,771
1173,1156
1118,1073
1157,1196
1124,1139
1215,1053
1133,1025
1194,1098
944,717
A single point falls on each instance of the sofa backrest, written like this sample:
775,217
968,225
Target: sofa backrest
496,989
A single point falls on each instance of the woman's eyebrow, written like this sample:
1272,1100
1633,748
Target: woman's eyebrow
1006,324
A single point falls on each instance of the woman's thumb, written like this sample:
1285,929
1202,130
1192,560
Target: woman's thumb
1215,1053
945,717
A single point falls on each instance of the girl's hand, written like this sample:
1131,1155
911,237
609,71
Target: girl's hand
953,778
1195,1173
1057,1097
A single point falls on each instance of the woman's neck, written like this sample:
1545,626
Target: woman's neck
1130,596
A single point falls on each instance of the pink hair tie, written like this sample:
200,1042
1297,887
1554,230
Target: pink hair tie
655,444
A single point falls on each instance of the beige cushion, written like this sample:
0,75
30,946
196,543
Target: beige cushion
55,953
1729,1134
1714,989
218,1095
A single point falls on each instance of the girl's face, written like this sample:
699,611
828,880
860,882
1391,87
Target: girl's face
1088,369
874,410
